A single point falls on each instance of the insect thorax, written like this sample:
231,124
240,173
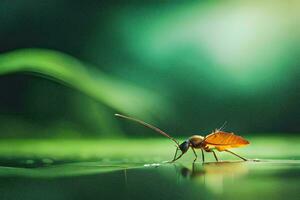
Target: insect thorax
196,140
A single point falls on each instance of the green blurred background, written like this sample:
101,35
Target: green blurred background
186,66
66,67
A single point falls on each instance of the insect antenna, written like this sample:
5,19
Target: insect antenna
149,126
223,126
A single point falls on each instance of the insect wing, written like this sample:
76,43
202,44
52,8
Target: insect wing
225,140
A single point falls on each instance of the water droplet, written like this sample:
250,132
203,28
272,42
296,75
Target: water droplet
29,162
47,161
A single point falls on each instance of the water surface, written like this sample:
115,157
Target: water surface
139,172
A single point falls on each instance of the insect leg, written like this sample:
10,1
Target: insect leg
175,155
193,167
215,155
202,155
236,155
195,154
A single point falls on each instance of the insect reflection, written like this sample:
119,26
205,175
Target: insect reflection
213,168
215,175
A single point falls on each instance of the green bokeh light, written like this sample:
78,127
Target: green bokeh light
246,44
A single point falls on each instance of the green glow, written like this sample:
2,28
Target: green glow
245,44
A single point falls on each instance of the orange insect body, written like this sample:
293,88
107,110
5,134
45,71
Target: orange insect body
220,140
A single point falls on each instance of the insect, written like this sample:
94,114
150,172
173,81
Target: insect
217,140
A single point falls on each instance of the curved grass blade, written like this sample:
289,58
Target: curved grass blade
117,94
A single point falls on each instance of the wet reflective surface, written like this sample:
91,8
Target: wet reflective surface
91,180
36,176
